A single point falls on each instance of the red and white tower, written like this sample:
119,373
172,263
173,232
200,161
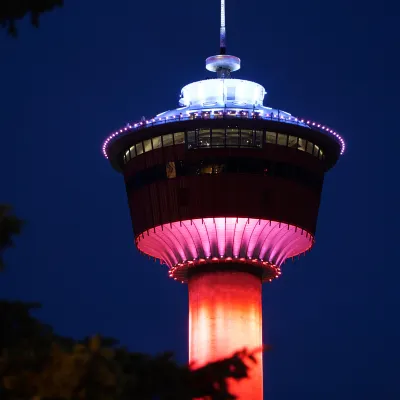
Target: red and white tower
222,191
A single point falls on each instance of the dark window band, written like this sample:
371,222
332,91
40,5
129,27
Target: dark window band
231,165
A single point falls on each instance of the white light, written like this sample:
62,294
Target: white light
215,91
222,13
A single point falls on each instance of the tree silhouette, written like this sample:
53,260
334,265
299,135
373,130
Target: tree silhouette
10,225
13,10
37,363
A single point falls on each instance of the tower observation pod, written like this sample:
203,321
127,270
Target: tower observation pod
222,191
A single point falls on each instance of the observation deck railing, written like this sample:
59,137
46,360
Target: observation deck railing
276,115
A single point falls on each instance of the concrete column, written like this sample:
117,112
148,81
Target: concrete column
225,315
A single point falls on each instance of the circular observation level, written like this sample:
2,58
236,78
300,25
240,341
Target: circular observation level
215,99
206,191
118,144
224,182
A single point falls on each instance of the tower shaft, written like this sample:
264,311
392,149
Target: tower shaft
225,316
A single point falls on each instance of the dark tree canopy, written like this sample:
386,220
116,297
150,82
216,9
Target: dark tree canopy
10,225
36,363
13,10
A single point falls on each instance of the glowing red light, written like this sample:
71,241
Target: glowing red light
225,316
225,313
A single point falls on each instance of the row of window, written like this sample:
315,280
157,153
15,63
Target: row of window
221,138
229,137
214,166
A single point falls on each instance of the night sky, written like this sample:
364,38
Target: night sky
333,316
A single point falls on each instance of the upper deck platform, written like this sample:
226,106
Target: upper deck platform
222,98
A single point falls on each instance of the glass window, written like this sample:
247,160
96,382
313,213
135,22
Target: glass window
179,137
132,152
171,170
282,139
204,138
230,93
232,137
316,150
246,138
302,144
259,135
310,147
218,138
139,148
211,169
206,170
124,158
270,137
156,142
191,138
147,145
293,141
320,155
218,168
167,140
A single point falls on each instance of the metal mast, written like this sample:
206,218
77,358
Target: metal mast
222,32
223,64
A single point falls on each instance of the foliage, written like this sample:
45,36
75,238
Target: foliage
13,10
37,363
10,225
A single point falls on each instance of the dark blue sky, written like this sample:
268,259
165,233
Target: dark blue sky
333,317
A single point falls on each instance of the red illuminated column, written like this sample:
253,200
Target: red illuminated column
225,315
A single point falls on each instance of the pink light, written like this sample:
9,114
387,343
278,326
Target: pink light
224,302
244,238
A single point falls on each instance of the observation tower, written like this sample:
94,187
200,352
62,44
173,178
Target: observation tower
223,190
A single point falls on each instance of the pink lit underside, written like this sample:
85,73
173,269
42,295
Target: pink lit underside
225,315
183,241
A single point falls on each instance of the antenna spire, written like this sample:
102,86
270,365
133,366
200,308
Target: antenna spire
222,32
222,64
